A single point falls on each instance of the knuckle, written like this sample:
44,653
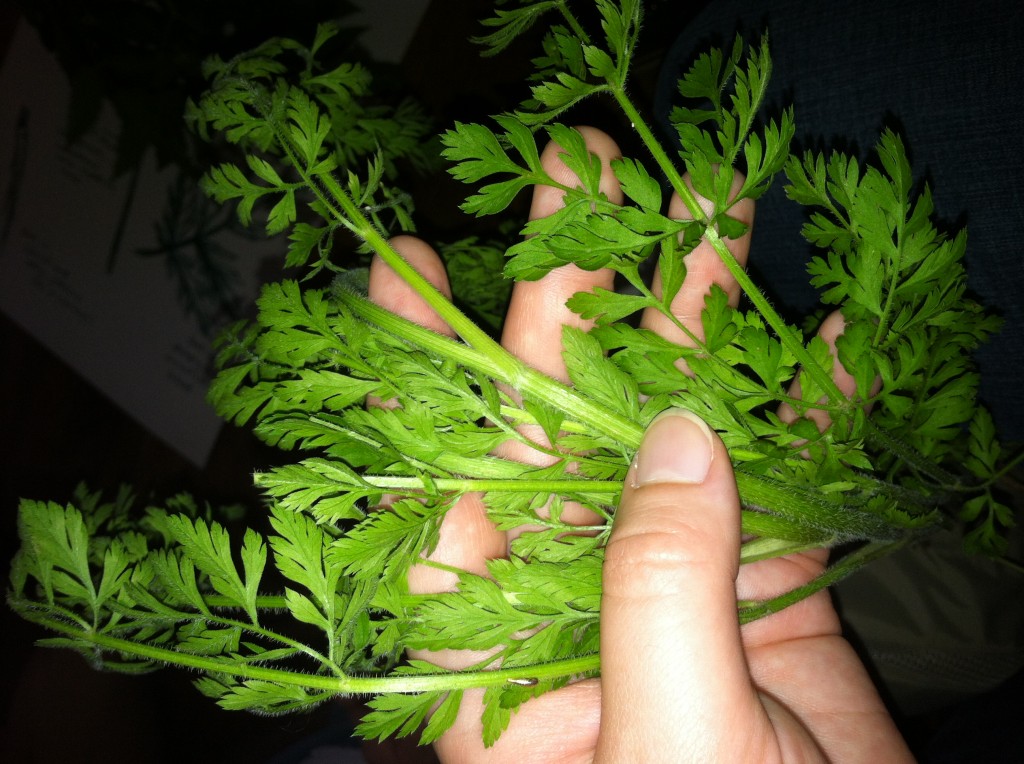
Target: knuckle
659,560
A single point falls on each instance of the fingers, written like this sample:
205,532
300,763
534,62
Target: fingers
829,331
815,615
704,267
388,290
672,661
559,726
537,310
467,538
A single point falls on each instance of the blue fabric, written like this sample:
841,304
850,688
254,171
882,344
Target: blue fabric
949,77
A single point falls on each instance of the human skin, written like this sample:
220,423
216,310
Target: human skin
681,680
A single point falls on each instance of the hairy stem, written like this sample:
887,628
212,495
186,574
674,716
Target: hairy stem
342,684
751,611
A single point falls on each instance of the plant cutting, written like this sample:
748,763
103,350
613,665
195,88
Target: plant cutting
395,423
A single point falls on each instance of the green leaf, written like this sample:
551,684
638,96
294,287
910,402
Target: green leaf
178,575
496,716
708,74
212,641
984,449
511,24
330,490
282,214
557,95
600,63
302,554
308,128
718,319
637,183
477,617
621,25
646,356
575,155
397,715
117,570
598,377
605,306
477,153
442,718
387,542
260,695
672,269
548,417
58,542
208,547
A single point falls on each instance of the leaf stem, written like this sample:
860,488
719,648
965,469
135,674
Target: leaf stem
658,153
574,24
342,684
1004,470
517,485
751,611
786,336
252,628
525,379
802,506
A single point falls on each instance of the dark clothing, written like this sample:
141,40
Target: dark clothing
948,76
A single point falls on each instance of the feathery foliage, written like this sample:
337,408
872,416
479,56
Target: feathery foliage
910,451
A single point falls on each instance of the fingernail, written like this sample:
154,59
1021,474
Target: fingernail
677,448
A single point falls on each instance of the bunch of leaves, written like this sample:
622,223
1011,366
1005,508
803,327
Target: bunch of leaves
366,499
299,126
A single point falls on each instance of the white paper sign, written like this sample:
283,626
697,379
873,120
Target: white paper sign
127,279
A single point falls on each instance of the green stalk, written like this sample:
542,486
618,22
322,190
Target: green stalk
528,381
573,23
342,684
653,145
768,548
834,520
911,457
792,343
812,522
752,611
787,337
475,485
348,213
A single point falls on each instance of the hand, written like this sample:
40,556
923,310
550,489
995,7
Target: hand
786,687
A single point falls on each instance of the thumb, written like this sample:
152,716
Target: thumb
674,680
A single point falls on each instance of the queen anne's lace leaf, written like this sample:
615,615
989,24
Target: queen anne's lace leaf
400,425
